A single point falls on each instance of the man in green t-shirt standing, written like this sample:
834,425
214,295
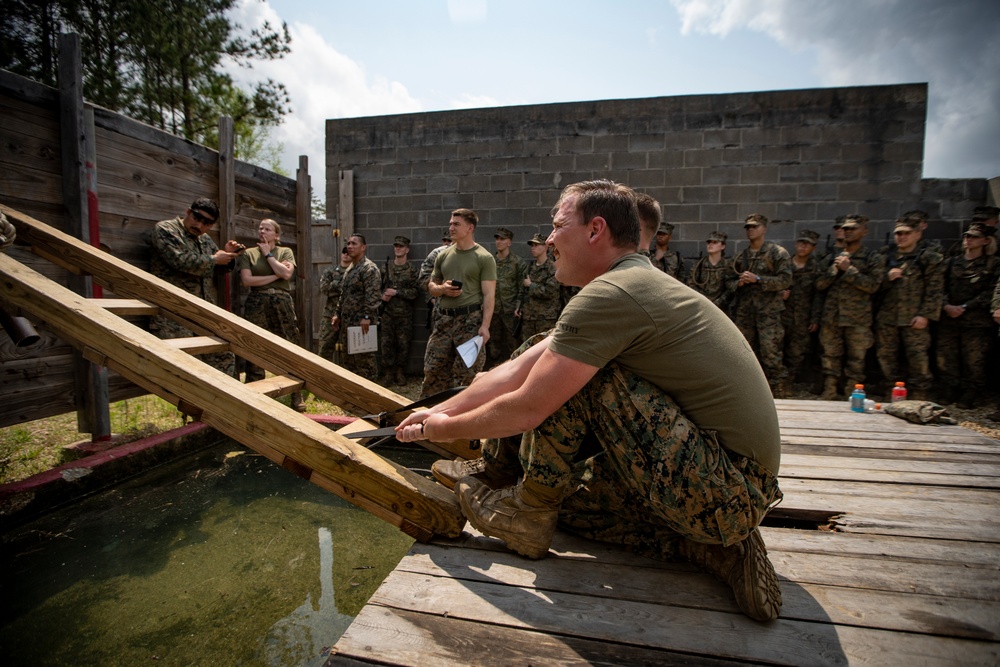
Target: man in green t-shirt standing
464,281
646,420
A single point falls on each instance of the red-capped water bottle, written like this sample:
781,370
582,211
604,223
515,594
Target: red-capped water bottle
899,392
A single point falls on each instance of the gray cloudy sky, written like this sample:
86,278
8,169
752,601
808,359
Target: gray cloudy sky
377,57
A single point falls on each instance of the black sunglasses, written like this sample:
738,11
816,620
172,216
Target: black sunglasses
201,217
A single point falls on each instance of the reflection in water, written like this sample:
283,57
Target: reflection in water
200,562
301,637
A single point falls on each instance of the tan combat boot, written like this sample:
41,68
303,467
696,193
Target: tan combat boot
449,472
747,570
297,403
829,389
523,516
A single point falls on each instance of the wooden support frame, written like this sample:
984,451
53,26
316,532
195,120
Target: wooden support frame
417,506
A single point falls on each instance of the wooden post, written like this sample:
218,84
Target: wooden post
346,214
90,389
303,240
229,289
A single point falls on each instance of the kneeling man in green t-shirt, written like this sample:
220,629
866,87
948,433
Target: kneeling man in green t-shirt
644,417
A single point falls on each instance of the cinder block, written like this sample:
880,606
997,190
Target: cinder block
741,156
613,143
642,143
777,193
738,194
730,138
473,182
761,136
781,155
572,145
442,184
720,176
506,182
702,158
682,177
682,141
798,173
701,194
459,167
646,178
619,161
821,153
727,211
427,168
759,174
487,200
553,163
671,159
817,191
838,171
857,192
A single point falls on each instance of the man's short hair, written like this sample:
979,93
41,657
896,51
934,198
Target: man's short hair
650,213
612,201
468,215
207,206
359,236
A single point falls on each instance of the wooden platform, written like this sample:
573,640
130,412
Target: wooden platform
893,560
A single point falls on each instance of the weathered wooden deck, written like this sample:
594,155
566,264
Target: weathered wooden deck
908,574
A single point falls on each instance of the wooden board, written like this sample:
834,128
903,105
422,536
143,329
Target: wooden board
907,575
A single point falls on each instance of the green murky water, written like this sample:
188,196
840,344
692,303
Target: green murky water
224,560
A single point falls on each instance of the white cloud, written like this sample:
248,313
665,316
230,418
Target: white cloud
322,83
467,11
949,45
470,101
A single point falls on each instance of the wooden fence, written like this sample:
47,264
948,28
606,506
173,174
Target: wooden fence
62,161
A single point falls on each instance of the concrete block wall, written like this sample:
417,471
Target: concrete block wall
801,157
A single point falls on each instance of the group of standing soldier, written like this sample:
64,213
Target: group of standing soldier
905,299
899,299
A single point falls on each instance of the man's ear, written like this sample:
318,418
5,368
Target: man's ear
598,227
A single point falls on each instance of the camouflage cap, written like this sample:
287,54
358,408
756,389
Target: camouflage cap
447,235
985,213
504,233
755,219
665,228
915,216
808,236
401,240
906,225
537,239
717,236
855,221
980,229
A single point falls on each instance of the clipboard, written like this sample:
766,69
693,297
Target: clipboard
359,343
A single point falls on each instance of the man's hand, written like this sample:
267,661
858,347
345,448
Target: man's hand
895,273
842,261
234,247
335,322
221,257
450,290
747,278
954,311
785,293
365,323
996,315
919,322
484,331
388,293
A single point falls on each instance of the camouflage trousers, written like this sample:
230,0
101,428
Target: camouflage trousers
636,471
327,337
443,366
364,364
845,348
503,341
533,327
916,344
395,336
962,354
798,343
766,335
165,328
275,312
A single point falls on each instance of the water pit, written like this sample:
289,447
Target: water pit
222,558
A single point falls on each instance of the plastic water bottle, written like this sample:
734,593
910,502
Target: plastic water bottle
899,392
858,398
872,406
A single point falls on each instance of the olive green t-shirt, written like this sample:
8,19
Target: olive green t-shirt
252,259
665,332
471,266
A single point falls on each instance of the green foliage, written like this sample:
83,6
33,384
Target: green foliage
158,62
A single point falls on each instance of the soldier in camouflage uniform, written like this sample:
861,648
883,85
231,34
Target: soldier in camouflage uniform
764,270
667,260
607,451
966,330
541,306
912,292
464,310
424,276
267,271
803,306
360,296
713,275
185,256
849,280
396,325
650,218
505,336
330,284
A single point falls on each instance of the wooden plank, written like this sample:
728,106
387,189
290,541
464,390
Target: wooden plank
124,307
860,466
303,238
198,344
695,631
276,385
871,453
230,407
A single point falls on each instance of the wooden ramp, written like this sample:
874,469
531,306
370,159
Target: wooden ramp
245,413
886,546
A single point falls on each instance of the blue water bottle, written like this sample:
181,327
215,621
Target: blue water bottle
858,398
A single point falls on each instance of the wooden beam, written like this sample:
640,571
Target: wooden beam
303,240
198,344
353,393
345,215
124,307
227,207
232,408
